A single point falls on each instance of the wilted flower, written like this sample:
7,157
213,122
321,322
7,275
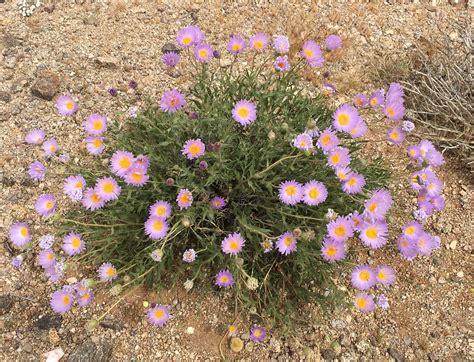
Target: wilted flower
35,137
252,283
267,245
37,171
17,261
188,285
333,42
189,255
382,302
113,91
156,255
281,44
408,126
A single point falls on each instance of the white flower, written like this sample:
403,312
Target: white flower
188,285
156,255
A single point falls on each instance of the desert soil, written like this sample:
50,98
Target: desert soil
84,48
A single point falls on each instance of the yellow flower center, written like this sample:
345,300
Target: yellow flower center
159,313
95,198
410,230
108,187
361,302
257,333
340,231
110,272
158,225
381,275
343,119
243,112
24,232
49,204
137,176
373,102
352,181
97,125
50,257
66,300
291,190
187,40
394,135
78,185
52,148
233,245
313,193
331,251
325,139
258,44
308,53
76,243
372,207
97,143
281,65
184,198
371,233
236,47
69,105
125,163
173,102
412,152
391,112
160,211
335,159
364,275
341,174
288,241
232,328
203,53
224,279
194,149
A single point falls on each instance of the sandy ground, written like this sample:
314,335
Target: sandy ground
91,47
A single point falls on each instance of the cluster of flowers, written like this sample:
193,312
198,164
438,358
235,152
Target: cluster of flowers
364,278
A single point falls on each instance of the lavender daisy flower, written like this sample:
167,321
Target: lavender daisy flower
420,215
224,279
382,302
357,220
95,124
184,199
359,129
286,243
95,145
425,147
424,243
64,157
136,175
259,42
244,112
385,275
233,244
236,45
107,272
161,209
438,202
172,101
66,106
132,84
50,147
426,207
342,173
17,261
132,112
378,205
339,157
327,140
290,192
360,100
407,248
35,137
394,111
72,184
46,241
333,250
340,229
312,53
408,126
374,235
20,234
257,334
189,36
121,161
314,193
113,91
157,255
303,141
281,64
158,315
281,44
61,301
395,93
143,161
377,99
354,183
364,303
434,158
329,88
37,171
345,117
414,152
156,227
91,199
203,52
218,203
73,244
267,246
46,258
412,230
189,256
363,277
193,148
333,42
84,295
45,205
107,188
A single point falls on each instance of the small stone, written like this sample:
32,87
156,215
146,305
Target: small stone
46,84
275,345
225,62
91,352
53,336
336,347
54,355
71,280
107,62
441,280
27,347
460,274
170,47
111,324
6,303
245,336
397,356
338,324
453,244
5,97
328,354
49,8
345,340
49,321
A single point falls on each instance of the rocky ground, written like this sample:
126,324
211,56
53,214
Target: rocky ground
86,48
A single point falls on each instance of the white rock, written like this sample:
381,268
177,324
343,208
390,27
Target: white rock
54,355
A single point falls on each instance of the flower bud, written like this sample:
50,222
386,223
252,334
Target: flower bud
203,165
186,222
116,289
92,324
170,182
89,283
126,278
188,285
297,232
194,115
284,125
146,304
252,283
239,261
271,135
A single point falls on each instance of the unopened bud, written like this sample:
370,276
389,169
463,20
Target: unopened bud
169,182
92,324
271,135
186,222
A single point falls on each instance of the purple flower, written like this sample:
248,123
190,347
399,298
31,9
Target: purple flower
385,275
72,184
113,91
345,118
107,272
189,36
377,99
259,41
303,141
224,279
364,303
374,234
244,112
20,234
333,42
172,101
171,59
61,301
394,111
203,52
360,100
132,112
91,199
73,244
121,161
50,147
412,230
359,129
17,261
340,229
236,44
45,205
233,244
184,199
327,140
314,193
107,188
363,277
37,171
281,44
257,334
329,88
84,295
407,248
66,106
286,243
338,157
290,192
35,137
332,250
46,258
312,53
281,64
158,315
424,243
378,205
193,148
438,202
132,84
156,227
136,175
95,124
95,145
382,302
354,184
64,157
395,93
218,203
